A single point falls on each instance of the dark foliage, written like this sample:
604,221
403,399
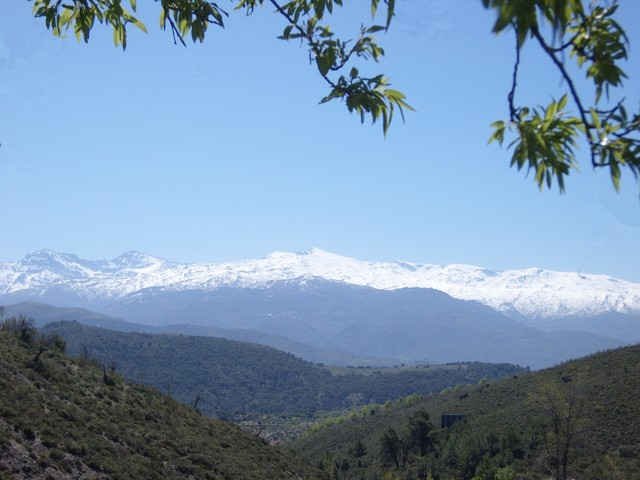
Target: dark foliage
576,420
233,379
23,329
60,419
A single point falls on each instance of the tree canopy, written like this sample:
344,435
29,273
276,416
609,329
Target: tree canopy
574,35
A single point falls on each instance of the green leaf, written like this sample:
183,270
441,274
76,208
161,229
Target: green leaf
391,8
374,7
595,118
615,174
375,29
325,61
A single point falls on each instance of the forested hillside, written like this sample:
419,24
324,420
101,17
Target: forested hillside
582,415
230,379
67,419
42,314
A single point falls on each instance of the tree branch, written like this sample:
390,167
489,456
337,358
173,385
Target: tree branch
514,80
306,35
565,45
574,94
174,29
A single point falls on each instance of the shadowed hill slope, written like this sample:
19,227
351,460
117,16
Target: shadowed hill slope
234,378
42,314
66,419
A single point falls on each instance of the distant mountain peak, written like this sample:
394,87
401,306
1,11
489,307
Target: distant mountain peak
311,252
46,256
55,263
531,292
319,252
136,259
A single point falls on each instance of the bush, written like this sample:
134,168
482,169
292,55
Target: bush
56,455
22,328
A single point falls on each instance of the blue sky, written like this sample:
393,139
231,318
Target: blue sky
220,151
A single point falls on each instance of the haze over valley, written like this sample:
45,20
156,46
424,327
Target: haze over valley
333,309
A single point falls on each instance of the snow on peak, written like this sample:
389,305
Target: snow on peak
56,263
47,258
312,252
318,252
532,292
135,259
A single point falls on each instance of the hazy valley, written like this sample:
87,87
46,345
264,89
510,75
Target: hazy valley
333,309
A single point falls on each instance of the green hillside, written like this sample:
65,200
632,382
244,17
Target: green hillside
508,430
67,419
233,379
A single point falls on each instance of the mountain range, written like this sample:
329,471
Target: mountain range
398,310
531,292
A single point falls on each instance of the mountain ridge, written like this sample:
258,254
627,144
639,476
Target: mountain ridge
42,314
531,292
410,324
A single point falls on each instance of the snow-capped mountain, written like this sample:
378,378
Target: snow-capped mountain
532,293
389,310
